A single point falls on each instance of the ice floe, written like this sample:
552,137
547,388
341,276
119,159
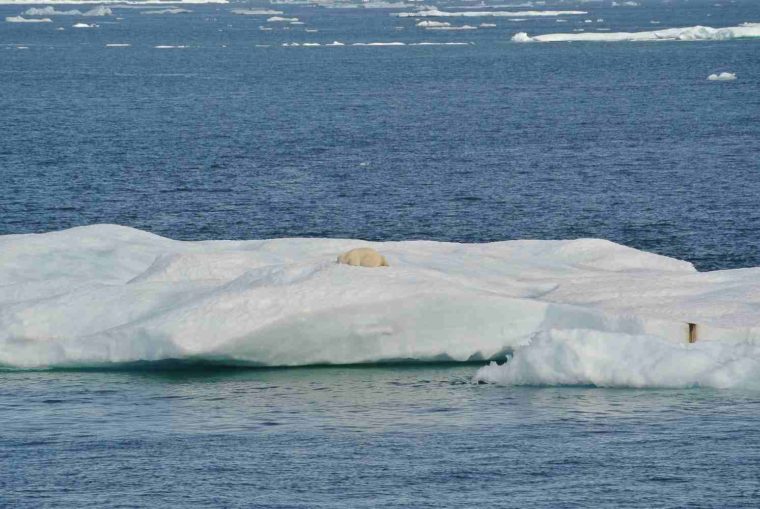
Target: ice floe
724,76
435,13
118,45
21,19
695,33
430,24
255,12
167,11
110,294
84,25
280,19
602,359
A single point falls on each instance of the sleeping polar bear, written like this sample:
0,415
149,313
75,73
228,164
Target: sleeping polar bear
363,256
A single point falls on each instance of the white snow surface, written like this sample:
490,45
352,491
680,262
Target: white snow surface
695,33
110,294
601,359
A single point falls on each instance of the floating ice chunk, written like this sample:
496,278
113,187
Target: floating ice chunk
441,44
167,11
100,10
21,19
487,25
724,76
311,30
435,13
463,27
167,46
379,44
587,357
280,19
311,44
429,24
335,43
256,12
118,45
695,33
84,25
630,3
50,11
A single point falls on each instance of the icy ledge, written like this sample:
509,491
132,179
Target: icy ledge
110,294
695,33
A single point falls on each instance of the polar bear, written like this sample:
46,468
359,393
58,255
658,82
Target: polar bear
363,256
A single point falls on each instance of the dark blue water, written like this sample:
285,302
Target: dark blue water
367,437
493,140
485,142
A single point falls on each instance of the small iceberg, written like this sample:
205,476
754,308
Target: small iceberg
84,25
724,76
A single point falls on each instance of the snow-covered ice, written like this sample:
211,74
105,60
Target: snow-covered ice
105,294
588,357
695,33
724,76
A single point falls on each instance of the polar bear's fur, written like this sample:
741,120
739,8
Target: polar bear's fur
363,256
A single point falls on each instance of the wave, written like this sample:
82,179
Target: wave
695,33
108,294
585,357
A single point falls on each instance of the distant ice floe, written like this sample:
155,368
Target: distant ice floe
122,3
84,25
430,24
695,33
167,11
462,27
395,43
487,25
100,10
51,11
724,76
280,19
573,312
118,45
256,12
435,13
21,19
167,46
629,3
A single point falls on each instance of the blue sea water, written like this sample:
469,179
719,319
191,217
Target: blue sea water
236,136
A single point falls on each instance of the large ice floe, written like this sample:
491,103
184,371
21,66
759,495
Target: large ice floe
579,311
695,33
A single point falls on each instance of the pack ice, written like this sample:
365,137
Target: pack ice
111,294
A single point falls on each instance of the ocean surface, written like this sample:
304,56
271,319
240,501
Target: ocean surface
228,134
